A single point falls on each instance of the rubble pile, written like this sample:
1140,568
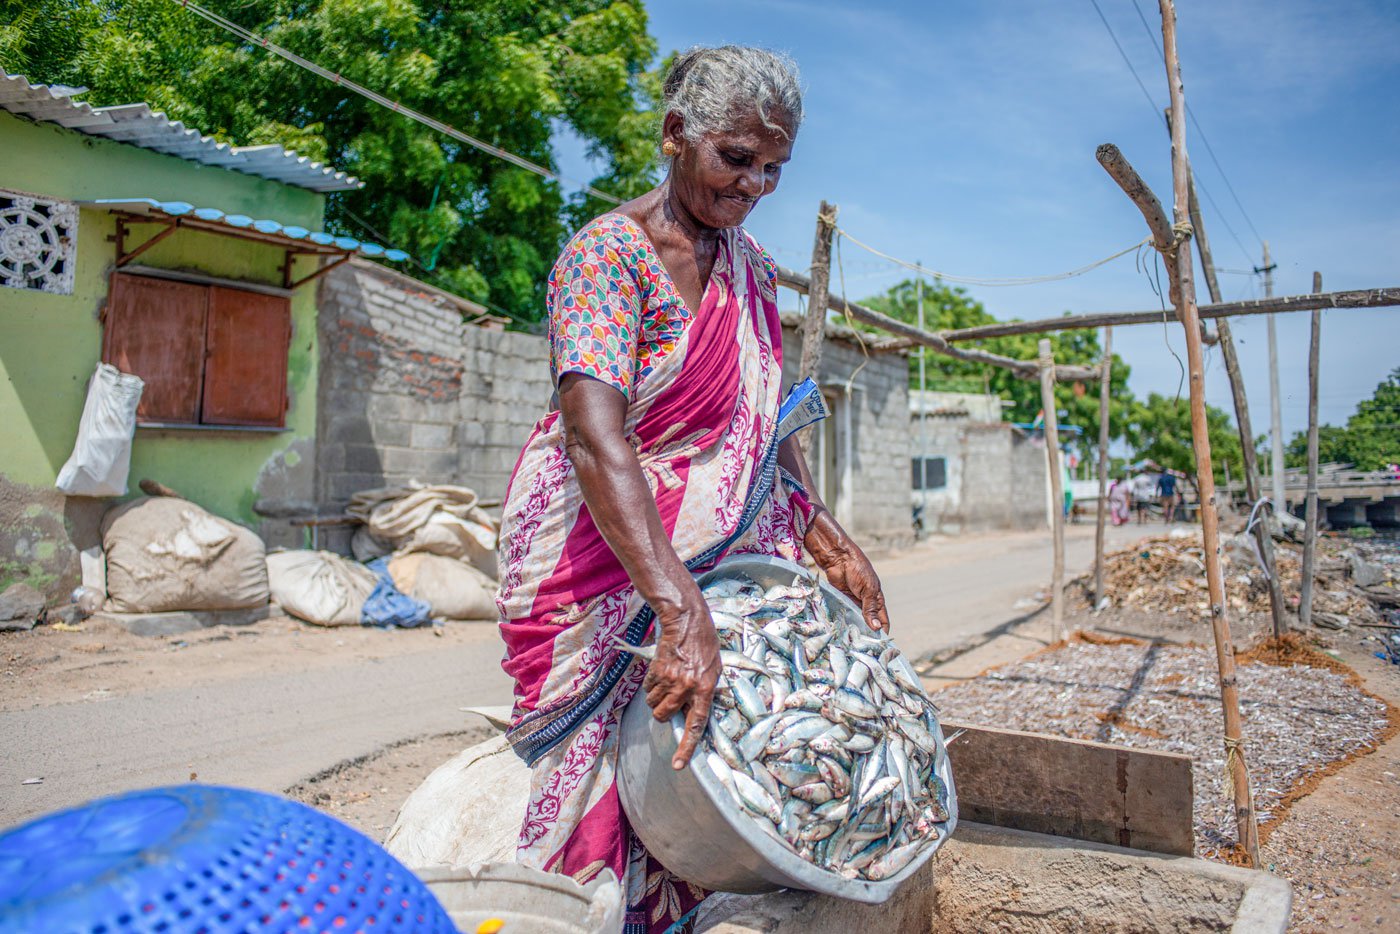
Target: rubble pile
1300,721
1167,575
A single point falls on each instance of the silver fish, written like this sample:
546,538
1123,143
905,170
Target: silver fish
820,732
754,741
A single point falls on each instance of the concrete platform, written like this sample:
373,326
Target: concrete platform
994,879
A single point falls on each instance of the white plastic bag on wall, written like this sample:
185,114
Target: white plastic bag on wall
101,455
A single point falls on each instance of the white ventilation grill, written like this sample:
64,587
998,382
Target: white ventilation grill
38,243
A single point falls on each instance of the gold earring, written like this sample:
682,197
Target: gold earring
669,149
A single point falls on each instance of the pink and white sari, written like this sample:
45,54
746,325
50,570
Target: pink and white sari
703,393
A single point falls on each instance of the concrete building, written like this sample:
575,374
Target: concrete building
130,239
976,471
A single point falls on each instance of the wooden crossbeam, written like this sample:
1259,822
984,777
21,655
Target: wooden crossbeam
1356,298
1025,369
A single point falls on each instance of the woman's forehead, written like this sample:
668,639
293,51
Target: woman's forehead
752,136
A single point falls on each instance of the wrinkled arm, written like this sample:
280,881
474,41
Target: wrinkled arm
846,566
686,669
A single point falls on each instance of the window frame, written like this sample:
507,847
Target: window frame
113,317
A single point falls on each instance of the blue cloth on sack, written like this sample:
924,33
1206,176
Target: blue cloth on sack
387,605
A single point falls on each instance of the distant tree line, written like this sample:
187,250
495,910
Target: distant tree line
1370,440
1157,428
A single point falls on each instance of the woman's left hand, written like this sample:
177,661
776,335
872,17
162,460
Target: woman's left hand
847,567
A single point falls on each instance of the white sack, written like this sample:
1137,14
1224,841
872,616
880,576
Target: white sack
165,553
320,587
454,589
440,520
101,455
467,811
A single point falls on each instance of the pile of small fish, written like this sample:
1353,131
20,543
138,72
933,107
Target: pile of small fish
817,735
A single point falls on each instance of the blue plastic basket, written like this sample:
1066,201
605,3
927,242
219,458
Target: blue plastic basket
200,858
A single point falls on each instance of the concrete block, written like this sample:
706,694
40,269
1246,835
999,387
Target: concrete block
363,458
473,433
994,879
431,436
170,624
342,486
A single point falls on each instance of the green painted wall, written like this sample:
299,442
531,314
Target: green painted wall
49,344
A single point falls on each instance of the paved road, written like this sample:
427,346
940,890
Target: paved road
270,731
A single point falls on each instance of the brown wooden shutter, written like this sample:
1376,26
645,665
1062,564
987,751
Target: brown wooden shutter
155,329
245,372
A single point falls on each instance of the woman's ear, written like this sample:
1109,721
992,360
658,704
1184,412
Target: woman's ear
672,134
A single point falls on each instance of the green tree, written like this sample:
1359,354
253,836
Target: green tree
1369,441
947,307
1159,429
511,72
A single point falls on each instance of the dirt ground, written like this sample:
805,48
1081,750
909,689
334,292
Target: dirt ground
367,793
51,666
1339,845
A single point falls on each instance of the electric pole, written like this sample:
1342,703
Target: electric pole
1275,403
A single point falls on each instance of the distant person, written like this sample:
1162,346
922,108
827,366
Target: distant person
1118,508
1166,490
1144,489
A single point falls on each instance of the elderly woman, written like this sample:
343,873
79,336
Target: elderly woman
666,350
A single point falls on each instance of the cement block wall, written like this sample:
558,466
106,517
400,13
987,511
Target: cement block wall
875,507
409,392
996,478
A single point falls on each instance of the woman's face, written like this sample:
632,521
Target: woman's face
721,177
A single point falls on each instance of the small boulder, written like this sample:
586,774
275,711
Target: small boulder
1365,573
20,607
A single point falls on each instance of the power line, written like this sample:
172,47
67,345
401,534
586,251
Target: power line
390,104
1158,111
1126,61
995,281
1201,130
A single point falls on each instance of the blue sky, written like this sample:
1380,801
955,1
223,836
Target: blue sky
962,134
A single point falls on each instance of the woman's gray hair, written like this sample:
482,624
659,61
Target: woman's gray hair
712,89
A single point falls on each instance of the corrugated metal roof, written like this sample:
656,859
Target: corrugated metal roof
140,126
244,222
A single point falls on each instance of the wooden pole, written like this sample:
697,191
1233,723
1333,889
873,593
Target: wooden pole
1262,536
1310,510
814,324
1276,472
1057,493
1205,477
1283,304
1104,370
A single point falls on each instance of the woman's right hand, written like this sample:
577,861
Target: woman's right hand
685,672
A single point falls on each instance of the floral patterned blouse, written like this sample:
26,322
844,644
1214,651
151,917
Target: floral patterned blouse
614,312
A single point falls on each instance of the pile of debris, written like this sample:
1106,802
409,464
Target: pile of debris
1166,575
1301,721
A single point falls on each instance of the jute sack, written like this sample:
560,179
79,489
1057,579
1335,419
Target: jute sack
453,588
165,553
320,587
